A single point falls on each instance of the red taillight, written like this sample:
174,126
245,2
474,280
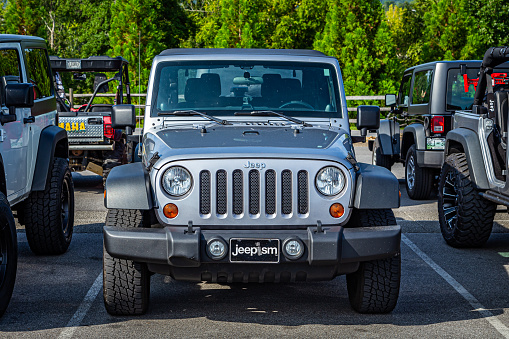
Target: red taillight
437,124
109,132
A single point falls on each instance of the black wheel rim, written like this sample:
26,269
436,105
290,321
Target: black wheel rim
4,251
65,201
450,200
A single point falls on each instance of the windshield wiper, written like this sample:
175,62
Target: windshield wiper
189,112
269,113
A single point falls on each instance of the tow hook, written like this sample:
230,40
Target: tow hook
190,229
319,228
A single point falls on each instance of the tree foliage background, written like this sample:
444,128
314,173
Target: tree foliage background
373,41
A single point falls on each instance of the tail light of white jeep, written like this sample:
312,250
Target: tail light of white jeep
437,124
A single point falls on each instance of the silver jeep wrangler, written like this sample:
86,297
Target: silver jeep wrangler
248,174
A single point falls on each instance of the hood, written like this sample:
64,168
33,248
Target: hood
249,136
235,142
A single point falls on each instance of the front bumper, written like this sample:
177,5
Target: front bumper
181,254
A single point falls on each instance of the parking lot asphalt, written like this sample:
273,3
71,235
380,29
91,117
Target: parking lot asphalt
445,292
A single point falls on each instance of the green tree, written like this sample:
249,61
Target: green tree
235,24
357,34
142,29
296,22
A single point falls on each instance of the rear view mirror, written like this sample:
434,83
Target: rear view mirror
123,116
97,80
390,99
368,118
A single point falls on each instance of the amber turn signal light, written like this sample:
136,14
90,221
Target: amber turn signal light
170,211
337,210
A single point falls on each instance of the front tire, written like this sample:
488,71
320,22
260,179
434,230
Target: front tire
8,253
374,287
126,284
49,215
419,180
466,219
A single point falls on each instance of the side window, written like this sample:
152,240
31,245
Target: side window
38,71
404,91
9,69
422,87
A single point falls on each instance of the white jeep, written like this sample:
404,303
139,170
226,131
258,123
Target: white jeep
35,180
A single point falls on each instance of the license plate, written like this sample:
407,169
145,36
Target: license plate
73,64
254,250
435,143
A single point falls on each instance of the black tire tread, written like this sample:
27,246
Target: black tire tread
475,214
126,284
369,218
424,178
374,287
42,216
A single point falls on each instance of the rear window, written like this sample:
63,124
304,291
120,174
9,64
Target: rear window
457,97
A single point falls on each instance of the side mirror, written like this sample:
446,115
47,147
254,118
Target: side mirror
390,99
19,95
123,116
97,81
368,118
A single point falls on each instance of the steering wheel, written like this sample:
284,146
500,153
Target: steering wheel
300,103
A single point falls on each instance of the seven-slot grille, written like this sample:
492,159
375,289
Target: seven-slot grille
279,195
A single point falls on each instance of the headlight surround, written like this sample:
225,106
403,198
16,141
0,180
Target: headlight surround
177,181
330,181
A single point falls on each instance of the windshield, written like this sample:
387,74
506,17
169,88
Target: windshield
223,88
457,98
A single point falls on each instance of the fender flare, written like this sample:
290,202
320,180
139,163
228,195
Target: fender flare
386,137
469,142
415,133
128,187
375,188
52,143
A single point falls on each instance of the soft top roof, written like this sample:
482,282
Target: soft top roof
241,51
18,38
90,64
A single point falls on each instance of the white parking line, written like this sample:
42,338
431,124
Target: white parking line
494,321
77,318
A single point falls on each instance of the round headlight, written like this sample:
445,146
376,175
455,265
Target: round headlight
330,180
177,181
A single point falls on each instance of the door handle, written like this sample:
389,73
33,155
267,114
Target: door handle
29,120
